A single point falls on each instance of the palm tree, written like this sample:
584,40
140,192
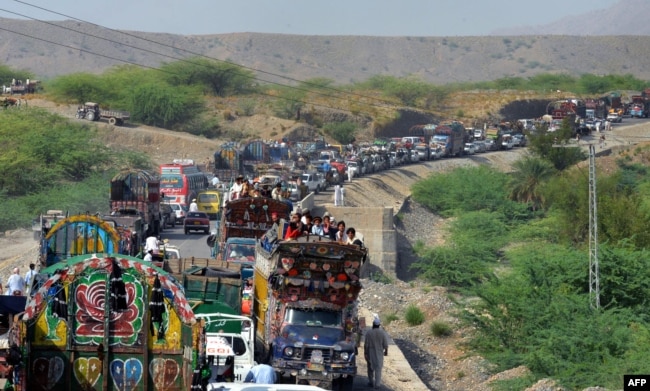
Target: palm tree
530,172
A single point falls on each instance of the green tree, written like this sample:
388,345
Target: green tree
165,106
42,150
7,74
289,102
554,147
343,132
218,78
525,183
79,88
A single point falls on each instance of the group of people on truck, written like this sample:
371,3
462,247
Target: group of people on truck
305,224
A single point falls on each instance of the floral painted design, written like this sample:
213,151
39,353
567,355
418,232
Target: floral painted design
90,297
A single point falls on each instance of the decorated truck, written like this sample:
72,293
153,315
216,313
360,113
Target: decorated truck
243,221
135,195
451,137
219,293
88,234
305,309
108,322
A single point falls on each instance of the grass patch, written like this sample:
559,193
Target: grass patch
414,316
391,318
441,329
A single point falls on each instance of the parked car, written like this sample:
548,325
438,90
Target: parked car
179,211
314,181
196,221
415,156
614,117
480,146
469,148
519,139
437,152
491,145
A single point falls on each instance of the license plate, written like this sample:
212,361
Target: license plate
208,207
316,367
197,223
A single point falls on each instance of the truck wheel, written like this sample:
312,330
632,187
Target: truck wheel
90,116
112,121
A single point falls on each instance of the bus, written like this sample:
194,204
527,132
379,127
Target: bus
209,201
181,181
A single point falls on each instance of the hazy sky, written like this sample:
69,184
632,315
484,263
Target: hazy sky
310,17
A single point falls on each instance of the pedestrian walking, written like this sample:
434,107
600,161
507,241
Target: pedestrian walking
29,279
337,195
602,141
375,347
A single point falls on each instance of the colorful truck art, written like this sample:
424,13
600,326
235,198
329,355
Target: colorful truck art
109,323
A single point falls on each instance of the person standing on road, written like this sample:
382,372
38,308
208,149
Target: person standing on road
194,207
29,278
375,347
16,284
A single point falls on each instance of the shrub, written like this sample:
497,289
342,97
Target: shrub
441,329
391,318
246,107
414,316
380,277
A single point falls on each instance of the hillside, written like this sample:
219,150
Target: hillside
66,47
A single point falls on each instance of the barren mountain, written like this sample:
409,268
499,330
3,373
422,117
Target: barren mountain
627,17
54,48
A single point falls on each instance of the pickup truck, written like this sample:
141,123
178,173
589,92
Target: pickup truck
196,221
314,181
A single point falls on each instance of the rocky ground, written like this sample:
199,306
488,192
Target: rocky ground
439,362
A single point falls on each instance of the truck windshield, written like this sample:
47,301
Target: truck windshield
312,317
440,138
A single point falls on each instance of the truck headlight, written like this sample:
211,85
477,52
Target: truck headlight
288,351
345,356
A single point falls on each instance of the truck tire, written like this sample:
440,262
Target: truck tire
112,121
90,116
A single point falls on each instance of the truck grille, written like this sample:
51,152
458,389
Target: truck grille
327,354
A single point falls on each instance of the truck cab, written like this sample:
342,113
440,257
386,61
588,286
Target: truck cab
230,355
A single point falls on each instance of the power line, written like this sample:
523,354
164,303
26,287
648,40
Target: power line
153,68
176,58
200,55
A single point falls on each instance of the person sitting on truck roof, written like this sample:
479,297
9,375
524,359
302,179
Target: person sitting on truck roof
352,237
295,227
317,227
276,194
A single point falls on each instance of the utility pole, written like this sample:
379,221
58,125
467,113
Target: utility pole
594,273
